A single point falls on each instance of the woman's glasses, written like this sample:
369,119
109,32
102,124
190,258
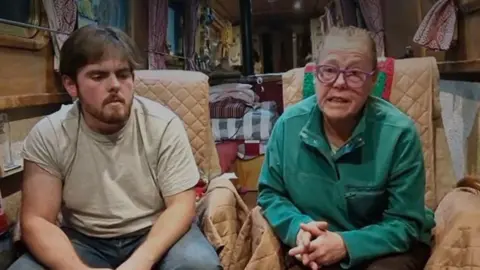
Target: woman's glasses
354,78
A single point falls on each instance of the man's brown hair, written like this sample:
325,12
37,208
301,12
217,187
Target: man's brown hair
91,44
357,33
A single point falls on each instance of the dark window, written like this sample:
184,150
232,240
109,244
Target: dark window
16,10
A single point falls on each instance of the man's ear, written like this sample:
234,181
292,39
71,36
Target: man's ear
70,85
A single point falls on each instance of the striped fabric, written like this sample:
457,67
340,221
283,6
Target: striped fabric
228,108
256,124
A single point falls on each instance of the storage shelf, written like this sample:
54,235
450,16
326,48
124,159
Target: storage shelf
17,159
21,101
467,66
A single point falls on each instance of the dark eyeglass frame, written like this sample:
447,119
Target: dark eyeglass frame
344,71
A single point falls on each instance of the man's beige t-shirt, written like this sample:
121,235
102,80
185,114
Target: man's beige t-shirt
114,185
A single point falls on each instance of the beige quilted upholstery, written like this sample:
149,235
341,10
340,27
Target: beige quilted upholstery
292,86
413,84
186,93
414,81
222,212
457,238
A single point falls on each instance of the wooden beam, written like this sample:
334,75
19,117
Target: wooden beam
225,13
29,100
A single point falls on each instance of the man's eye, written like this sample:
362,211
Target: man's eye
124,75
97,77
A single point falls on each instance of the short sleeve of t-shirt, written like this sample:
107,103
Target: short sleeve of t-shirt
40,147
177,169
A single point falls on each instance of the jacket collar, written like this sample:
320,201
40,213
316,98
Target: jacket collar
313,133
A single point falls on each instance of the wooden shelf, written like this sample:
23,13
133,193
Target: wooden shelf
13,171
472,66
18,160
21,101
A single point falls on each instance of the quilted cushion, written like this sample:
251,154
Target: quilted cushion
185,93
413,85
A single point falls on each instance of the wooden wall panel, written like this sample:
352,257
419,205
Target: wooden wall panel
27,78
464,57
26,71
401,20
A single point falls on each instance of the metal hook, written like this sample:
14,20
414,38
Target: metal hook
260,82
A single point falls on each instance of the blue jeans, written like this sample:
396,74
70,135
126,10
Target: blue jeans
192,251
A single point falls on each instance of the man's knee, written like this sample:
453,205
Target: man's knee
198,260
192,262
26,261
192,251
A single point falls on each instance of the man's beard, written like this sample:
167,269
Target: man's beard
112,114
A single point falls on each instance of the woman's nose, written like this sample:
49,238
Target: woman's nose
340,82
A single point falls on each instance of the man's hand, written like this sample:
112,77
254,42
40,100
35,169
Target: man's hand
304,237
136,263
327,249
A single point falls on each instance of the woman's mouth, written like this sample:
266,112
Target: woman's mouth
338,100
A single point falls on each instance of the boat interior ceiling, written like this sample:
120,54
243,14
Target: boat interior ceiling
265,12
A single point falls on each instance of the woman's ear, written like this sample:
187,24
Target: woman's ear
375,76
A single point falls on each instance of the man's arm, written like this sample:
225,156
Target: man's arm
41,200
172,224
177,176
284,217
405,216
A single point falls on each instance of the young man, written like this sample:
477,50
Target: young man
343,181
118,167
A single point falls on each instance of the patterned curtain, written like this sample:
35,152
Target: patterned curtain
189,33
372,14
157,33
438,29
62,16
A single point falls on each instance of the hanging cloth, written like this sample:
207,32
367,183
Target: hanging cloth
438,30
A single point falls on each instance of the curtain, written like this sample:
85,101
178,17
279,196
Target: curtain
460,102
348,11
190,31
157,33
62,16
372,14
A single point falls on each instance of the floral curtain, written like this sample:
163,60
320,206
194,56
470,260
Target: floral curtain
190,30
372,14
62,16
157,33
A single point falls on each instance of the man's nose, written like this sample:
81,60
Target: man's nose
114,83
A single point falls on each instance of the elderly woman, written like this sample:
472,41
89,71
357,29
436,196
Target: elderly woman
343,181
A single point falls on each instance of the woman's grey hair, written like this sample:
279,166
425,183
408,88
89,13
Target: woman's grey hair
351,32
